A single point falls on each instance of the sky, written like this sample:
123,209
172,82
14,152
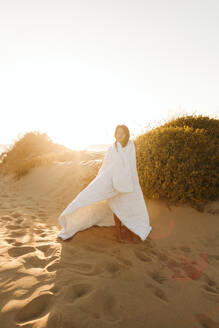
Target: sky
75,69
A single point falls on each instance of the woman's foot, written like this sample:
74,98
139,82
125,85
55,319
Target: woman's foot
118,229
120,240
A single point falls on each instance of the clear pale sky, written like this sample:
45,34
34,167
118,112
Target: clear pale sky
76,68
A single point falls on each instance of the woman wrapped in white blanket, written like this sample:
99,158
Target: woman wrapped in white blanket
117,184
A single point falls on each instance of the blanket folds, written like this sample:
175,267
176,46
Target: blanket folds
115,189
122,178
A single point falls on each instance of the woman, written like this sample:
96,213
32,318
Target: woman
121,135
116,183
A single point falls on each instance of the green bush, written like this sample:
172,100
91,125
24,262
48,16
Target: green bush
179,161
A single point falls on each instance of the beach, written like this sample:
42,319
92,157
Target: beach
91,280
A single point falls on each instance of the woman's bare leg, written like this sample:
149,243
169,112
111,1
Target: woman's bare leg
129,234
118,228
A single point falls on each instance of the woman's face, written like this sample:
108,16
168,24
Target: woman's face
120,135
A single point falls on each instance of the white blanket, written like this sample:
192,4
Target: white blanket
115,189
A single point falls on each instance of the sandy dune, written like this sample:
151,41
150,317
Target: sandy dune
90,280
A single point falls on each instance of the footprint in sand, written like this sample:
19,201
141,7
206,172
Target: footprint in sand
41,232
17,243
34,261
162,257
142,256
53,266
19,251
99,304
193,264
47,249
43,235
95,303
211,288
31,259
77,291
38,231
111,269
205,320
85,269
213,257
160,294
124,261
36,308
157,276
210,282
109,306
5,218
105,268
172,264
13,226
10,240
17,233
16,214
19,219
51,255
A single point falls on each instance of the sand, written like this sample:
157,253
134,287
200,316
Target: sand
91,280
